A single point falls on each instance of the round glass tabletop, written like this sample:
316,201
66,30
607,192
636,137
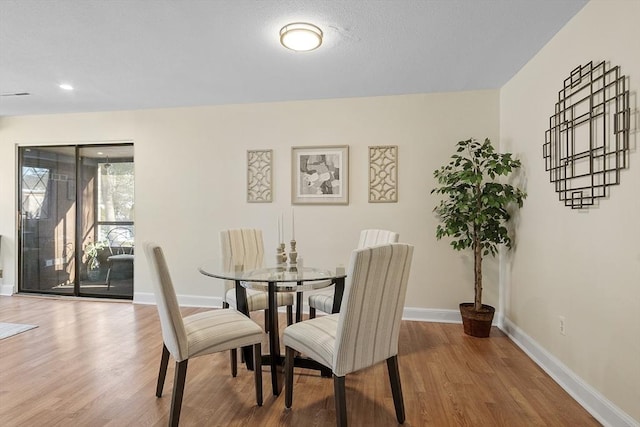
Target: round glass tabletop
288,278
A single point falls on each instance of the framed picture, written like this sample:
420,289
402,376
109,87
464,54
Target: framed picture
320,175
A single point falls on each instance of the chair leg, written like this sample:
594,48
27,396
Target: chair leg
234,353
234,362
312,313
396,387
341,400
257,371
178,391
288,376
108,278
289,315
164,361
266,320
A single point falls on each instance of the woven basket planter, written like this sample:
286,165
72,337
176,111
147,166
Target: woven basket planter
476,323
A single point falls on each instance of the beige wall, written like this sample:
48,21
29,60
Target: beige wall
191,178
580,264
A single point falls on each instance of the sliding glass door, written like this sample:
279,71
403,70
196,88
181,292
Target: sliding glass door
77,239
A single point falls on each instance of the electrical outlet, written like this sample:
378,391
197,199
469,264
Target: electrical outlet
562,325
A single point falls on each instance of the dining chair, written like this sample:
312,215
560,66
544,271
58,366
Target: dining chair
365,331
196,335
244,247
120,242
323,300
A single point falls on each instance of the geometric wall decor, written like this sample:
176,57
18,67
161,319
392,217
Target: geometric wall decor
383,174
259,176
587,143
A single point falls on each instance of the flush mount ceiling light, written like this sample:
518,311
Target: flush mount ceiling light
301,36
65,86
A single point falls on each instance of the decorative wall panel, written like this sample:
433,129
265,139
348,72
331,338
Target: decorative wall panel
587,143
383,174
259,176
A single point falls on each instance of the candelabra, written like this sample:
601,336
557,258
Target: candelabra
293,255
281,255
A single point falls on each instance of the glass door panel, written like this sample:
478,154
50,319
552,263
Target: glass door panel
47,219
107,221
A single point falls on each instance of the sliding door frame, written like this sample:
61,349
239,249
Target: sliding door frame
79,238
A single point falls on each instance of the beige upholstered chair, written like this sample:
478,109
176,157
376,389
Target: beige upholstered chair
323,300
196,335
245,247
365,331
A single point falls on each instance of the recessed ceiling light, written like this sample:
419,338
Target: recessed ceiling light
66,86
100,153
15,94
301,36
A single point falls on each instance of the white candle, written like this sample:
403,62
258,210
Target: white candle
293,225
281,236
279,230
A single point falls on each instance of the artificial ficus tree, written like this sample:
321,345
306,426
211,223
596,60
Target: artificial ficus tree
474,207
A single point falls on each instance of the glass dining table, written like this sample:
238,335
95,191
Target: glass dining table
281,278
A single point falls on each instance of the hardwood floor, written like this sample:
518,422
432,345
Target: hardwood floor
95,363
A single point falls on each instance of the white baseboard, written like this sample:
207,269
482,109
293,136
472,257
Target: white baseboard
431,315
441,316
417,314
595,403
183,300
6,290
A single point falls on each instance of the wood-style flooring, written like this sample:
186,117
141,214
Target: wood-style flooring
95,363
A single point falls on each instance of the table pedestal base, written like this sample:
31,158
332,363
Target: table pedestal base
276,365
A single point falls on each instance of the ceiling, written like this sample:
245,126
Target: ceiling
138,54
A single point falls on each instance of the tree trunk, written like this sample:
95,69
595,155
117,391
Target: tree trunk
477,254
477,262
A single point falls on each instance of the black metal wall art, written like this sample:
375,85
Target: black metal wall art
587,143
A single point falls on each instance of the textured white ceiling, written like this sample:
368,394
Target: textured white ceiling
133,54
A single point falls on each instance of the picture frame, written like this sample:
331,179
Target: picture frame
320,175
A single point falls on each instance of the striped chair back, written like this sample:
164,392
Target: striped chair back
174,334
369,320
373,237
241,247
